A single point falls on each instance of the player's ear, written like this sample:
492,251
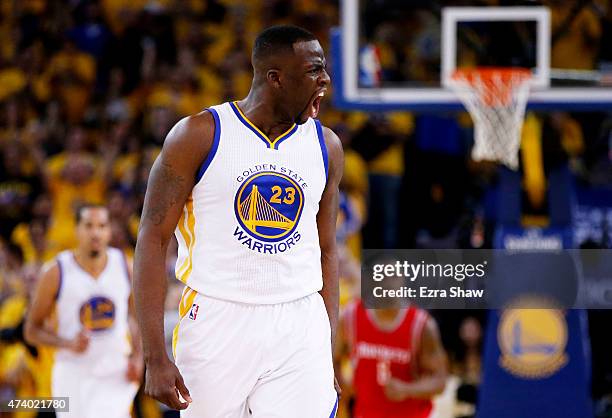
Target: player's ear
274,77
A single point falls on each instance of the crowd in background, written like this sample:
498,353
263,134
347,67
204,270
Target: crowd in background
89,89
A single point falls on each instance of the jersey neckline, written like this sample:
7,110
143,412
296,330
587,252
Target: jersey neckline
83,270
392,326
269,143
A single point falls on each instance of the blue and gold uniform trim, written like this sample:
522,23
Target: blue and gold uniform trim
186,226
61,279
323,146
334,411
213,147
269,143
185,305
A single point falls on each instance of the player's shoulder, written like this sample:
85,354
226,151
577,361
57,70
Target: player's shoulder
56,264
120,260
51,274
332,141
51,267
335,151
199,126
420,314
190,139
425,324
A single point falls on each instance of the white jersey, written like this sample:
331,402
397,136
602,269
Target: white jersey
98,305
248,232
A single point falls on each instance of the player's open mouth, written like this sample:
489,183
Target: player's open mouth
316,104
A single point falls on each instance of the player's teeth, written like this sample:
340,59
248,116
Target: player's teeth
322,94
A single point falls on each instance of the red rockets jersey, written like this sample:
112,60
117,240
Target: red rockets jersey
379,354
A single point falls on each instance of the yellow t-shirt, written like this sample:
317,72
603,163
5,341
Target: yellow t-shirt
67,196
355,176
389,162
34,373
124,164
114,11
22,237
14,357
355,184
12,80
75,94
577,47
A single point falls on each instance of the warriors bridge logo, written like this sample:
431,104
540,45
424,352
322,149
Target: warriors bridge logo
97,314
268,207
532,342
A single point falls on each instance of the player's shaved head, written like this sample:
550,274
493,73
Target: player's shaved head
289,73
276,42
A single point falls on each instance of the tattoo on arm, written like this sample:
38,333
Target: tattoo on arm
170,188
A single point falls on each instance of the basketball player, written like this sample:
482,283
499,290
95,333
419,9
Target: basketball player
398,359
89,291
250,189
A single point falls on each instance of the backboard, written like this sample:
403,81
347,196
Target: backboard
391,54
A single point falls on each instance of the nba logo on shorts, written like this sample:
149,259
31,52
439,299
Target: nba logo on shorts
193,313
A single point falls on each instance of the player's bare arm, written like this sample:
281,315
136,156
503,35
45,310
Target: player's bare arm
135,362
43,302
326,224
342,349
432,364
170,183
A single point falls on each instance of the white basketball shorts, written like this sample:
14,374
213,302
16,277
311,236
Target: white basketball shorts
90,395
255,361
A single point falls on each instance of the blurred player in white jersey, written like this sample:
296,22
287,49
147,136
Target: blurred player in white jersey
250,189
89,291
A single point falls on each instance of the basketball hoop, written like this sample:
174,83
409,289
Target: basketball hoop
496,99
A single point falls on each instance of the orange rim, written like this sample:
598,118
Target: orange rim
494,85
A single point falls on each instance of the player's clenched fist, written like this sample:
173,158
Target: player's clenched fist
164,383
80,343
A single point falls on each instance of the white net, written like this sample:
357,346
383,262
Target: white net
496,100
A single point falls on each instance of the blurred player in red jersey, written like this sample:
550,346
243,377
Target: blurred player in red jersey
398,360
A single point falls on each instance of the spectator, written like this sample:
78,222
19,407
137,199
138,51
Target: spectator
576,32
19,187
